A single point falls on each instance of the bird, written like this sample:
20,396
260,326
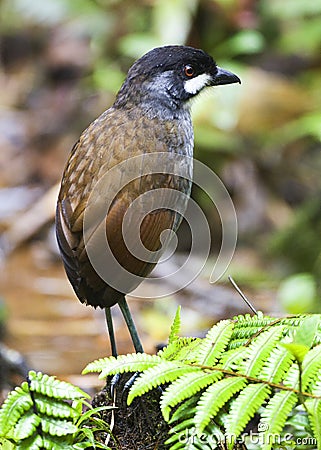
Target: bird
150,116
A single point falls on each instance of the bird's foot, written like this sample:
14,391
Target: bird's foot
129,384
113,385
124,390
117,384
127,387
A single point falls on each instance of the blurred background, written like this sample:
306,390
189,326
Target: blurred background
62,61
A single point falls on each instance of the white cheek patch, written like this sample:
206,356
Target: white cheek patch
194,85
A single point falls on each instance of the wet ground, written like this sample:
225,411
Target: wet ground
58,335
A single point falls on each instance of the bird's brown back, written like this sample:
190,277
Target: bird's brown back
99,164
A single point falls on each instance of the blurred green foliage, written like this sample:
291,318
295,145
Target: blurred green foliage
297,294
262,138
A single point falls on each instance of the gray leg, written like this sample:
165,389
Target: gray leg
130,325
110,327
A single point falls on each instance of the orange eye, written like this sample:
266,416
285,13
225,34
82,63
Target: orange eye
189,71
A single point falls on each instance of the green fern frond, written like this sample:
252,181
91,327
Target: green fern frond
176,326
184,434
43,420
165,372
182,349
245,327
215,342
316,387
259,350
292,378
184,387
190,441
314,413
55,408
212,385
15,405
214,398
201,370
184,410
275,414
248,326
98,365
183,425
311,326
179,435
277,365
26,426
244,406
229,360
298,419
311,368
298,350
134,362
184,428
34,442
235,344
51,387
253,321
57,427
307,331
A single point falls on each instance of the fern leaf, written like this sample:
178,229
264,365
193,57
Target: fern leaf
277,365
183,425
187,441
15,405
184,437
165,372
98,365
34,442
230,358
184,387
51,387
26,426
176,326
215,342
181,433
236,344
214,398
246,327
64,443
314,409
57,427
47,442
186,409
182,349
292,377
259,350
55,408
316,387
306,332
311,366
134,362
245,406
274,416
297,350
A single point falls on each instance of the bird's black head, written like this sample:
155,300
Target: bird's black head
169,76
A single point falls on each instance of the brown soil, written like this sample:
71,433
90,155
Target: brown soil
139,426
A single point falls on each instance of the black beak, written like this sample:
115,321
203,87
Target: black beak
223,76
